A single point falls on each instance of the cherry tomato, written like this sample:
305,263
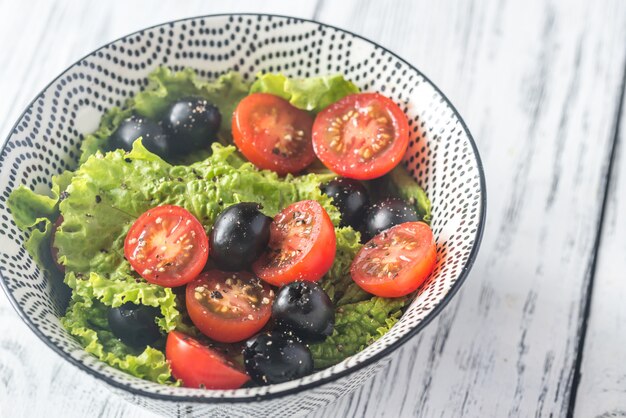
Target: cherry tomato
227,306
273,134
167,246
362,136
397,261
199,366
302,245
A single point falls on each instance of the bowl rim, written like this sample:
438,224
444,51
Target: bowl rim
324,380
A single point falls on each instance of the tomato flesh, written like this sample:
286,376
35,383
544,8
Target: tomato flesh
302,245
273,134
229,307
362,136
397,261
199,366
167,246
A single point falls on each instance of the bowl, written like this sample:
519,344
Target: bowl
442,157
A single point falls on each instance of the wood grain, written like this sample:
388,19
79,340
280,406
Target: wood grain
538,84
602,388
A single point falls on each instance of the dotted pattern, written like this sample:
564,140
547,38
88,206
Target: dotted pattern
46,141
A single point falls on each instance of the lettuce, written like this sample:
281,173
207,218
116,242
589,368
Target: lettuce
29,208
312,94
398,182
97,140
408,189
164,87
338,283
357,325
86,321
115,293
35,213
109,190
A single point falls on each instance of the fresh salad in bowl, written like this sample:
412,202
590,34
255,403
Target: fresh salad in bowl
217,234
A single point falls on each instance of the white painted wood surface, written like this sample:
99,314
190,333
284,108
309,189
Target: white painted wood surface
602,392
539,86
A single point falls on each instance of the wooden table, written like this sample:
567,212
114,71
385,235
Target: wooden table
537,328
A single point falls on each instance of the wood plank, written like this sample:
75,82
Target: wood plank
538,85
601,392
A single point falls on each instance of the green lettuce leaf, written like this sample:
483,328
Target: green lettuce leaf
398,182
108,192
116,292
408,189
35,213
38,243
338,283
312,94
352,293
86,320
29,208
97,140
164,87
357,325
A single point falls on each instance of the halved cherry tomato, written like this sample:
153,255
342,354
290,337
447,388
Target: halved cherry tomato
273,134
199,366
362,136
397,261
54,251
167,246
229,307
302,245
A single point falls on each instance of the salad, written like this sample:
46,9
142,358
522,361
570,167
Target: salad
217,234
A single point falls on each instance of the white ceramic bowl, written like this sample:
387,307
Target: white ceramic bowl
442,157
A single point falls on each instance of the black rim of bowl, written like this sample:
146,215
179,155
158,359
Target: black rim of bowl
352,369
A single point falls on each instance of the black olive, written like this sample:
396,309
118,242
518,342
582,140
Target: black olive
385,214
239,236
304,309
273,357
152,136
135,325
350,197
192,124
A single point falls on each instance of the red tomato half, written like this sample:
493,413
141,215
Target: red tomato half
229,307
302,245
362,136
273,134
397,261
199,366
167,246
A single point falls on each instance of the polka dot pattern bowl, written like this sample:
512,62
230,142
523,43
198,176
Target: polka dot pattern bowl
442,157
